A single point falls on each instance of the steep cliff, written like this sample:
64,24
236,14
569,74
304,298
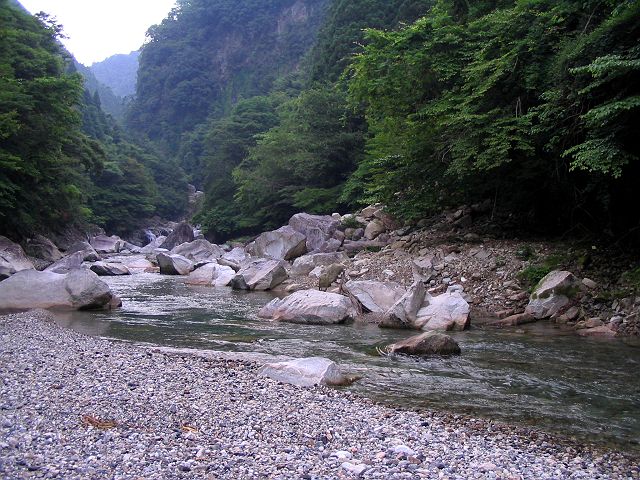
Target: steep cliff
204,57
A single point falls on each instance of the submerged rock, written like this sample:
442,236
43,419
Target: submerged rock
80,289
428,343
310,307
306,372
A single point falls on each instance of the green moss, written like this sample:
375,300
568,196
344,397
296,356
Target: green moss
351,222
531,275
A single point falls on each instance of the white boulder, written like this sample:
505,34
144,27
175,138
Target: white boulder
80,289
310,307
305,372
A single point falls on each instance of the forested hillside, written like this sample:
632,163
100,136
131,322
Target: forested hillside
62,160
119,73
278,106
532,104
207,55
109,101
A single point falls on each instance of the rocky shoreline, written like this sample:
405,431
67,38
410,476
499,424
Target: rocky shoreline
74,406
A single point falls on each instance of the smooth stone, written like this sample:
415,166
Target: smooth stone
309,307
305,372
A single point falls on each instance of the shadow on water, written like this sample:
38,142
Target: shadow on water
537,376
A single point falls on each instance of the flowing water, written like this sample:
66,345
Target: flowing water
537,375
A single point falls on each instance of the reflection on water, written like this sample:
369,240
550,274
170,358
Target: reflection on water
539,376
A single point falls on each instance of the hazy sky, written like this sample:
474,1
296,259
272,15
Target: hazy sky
98,29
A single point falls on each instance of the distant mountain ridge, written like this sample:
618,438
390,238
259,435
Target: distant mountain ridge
110,102
118,72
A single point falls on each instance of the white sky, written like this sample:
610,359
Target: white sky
98,29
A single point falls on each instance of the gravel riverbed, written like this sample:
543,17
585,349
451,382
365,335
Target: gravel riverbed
74,406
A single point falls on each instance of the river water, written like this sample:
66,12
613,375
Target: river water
536,375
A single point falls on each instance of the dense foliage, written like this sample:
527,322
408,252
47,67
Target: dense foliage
62,160
342,32
530,103
291,147
284,105
207,55
42,147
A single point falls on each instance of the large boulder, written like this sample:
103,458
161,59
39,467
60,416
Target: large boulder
109,269
260,274
153,245
183,233
374,228
128,247
89,253
43,248
448,311
310,307
404,313
211,274
319,230
68,263
80,289
282,244
303,265
199,251
377,297
428,343
104,244
235,258
174,264
553,294
12,258
136,263
305,372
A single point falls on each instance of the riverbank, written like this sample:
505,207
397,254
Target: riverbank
75,406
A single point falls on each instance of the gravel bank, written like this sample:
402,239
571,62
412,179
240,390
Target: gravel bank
73,406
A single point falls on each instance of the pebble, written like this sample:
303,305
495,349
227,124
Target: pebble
193,417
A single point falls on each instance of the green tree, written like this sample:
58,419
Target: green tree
43,153
302,163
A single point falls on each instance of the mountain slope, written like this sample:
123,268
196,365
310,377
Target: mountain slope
205,56
119,73
110,102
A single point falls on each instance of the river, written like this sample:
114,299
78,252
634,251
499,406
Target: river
536,375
